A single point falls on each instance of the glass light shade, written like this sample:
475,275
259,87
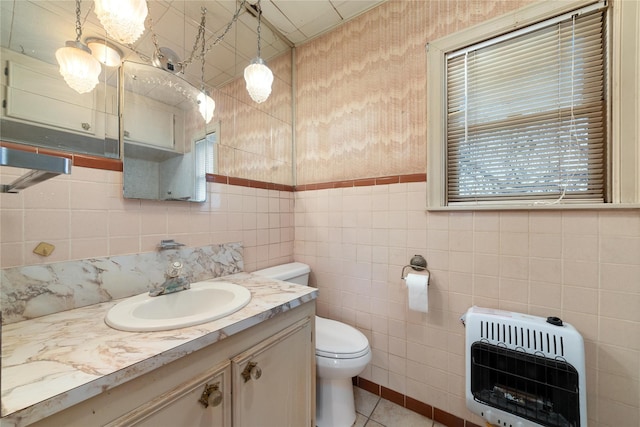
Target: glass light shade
123,20
105,52
79,69
206,105
259,79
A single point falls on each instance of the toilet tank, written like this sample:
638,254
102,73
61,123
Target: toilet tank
294,272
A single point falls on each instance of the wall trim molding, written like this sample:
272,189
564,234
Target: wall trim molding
223,179
364,182
77,159
95,162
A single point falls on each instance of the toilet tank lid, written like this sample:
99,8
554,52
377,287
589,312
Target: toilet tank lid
284,271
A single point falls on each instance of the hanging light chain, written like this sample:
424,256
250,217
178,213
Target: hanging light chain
259,9
201,33
217,40
192,56
154,37
78,24
199,37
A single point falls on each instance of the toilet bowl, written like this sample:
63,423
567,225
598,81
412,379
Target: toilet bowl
342,352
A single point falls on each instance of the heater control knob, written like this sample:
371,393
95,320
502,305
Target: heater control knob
555,321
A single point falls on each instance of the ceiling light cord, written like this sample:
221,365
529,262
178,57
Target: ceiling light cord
206,104
257,75
201,35
198,41
78,24
259,9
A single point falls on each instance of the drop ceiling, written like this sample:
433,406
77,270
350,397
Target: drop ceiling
39,27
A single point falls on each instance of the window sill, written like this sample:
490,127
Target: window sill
533,207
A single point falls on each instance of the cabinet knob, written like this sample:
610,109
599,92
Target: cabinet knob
211,395
127,134
86,126
251,372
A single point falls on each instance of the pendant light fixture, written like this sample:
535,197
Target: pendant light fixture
78,67
123,19
257,75
206,104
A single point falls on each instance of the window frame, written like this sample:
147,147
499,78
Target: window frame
203,163
623,131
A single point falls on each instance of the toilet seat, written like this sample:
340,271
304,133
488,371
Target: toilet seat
339,341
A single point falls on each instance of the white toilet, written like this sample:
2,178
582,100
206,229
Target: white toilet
342,352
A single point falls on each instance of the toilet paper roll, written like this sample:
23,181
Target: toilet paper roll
418,285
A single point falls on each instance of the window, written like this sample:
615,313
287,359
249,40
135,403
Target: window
204,164
526,114
521,119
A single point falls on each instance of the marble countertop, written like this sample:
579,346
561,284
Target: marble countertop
53,362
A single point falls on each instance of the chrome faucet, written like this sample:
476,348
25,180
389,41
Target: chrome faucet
173,282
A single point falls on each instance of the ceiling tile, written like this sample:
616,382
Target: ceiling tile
302,13
349,9
176,25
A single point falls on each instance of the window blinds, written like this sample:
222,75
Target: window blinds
526,115
203,164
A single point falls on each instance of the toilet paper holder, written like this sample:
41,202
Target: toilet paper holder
417,263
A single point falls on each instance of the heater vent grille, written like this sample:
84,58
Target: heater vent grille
524,370
532,387
530,339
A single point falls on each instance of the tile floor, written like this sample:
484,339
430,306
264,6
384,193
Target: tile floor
374,411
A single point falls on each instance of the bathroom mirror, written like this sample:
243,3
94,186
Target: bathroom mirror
253,141
39,108
165,139
243,140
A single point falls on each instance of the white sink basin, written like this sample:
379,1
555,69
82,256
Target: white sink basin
204,302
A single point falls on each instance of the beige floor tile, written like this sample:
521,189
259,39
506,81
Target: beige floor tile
365,401
372,423
392,415
361,420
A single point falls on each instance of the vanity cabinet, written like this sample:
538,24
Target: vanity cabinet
263,376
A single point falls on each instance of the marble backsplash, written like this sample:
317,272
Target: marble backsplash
33,291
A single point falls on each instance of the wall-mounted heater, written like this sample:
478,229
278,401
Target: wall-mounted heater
524,371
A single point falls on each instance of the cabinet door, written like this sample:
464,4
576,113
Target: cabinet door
48,100
185,404
145,123
273,382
